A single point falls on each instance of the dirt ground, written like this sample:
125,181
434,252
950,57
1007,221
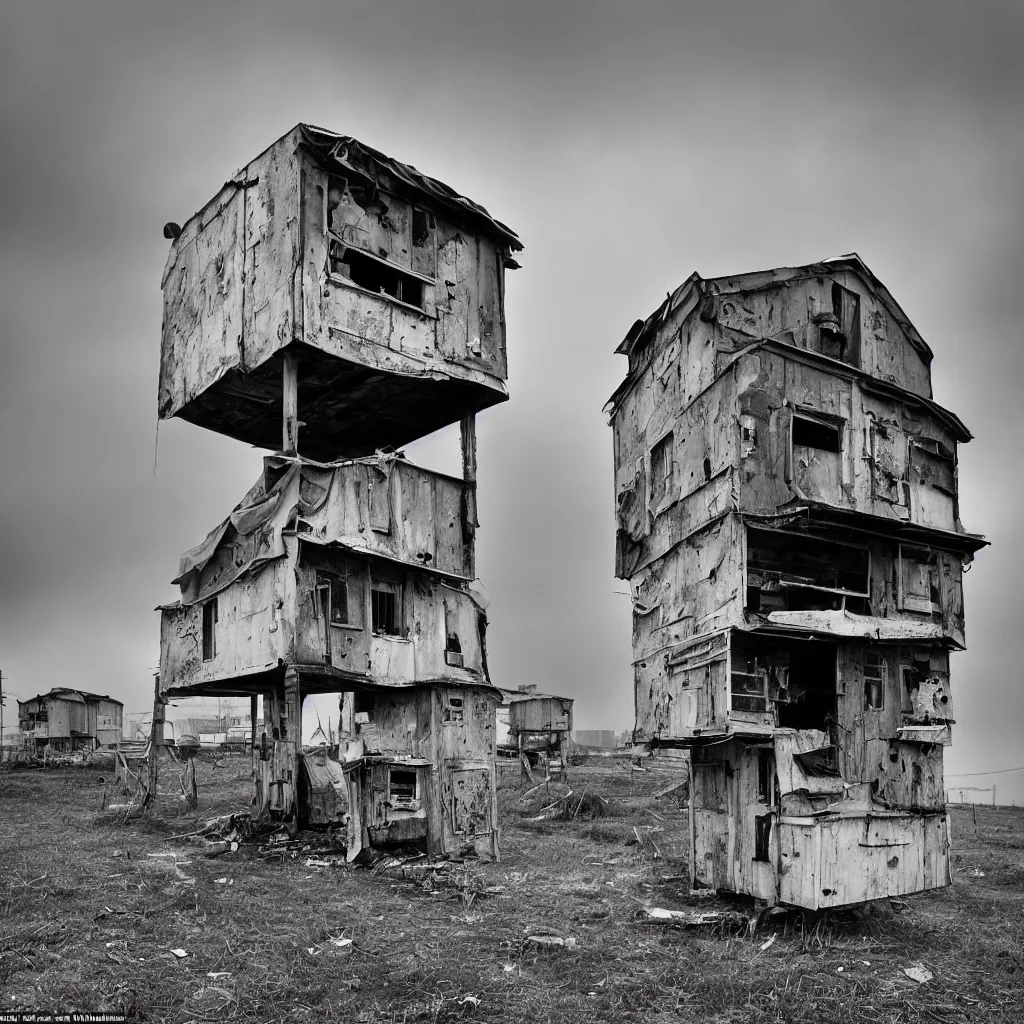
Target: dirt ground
89,918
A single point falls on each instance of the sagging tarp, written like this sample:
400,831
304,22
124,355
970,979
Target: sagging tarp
381,505
289,491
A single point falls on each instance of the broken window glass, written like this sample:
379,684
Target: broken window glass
375,275
749,685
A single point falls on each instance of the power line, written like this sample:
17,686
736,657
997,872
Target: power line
998,771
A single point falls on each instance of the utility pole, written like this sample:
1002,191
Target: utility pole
2,700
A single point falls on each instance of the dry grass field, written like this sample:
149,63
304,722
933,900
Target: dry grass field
89,919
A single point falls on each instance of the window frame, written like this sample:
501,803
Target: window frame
661,486
395,591
881,678
210,618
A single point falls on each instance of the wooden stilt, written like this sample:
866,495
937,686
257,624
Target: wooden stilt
290,403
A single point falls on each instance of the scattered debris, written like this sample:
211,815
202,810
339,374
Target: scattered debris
977,873
918,973
694,918
648,847
179,953
551,941
768,944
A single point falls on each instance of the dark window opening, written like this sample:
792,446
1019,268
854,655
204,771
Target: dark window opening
384,604
362,702
813,433
375,275
707,469
791,572
798,677
333,594
765,776
748,682
422,222
846,309
874,682
762,836
453,711
402,784
912,678
661,469
209,624
453,650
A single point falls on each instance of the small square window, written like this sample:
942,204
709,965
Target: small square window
810,432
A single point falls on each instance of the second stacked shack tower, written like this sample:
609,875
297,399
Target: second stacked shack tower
788,520
332,304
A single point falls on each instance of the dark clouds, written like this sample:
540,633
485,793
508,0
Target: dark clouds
628,144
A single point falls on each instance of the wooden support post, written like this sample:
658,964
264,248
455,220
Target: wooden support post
468,428
470,521
156,740
290,403
291,734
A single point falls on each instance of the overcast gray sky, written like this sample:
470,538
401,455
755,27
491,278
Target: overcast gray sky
629,144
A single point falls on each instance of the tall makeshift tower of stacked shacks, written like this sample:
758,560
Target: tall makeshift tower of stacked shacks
788,521
332,304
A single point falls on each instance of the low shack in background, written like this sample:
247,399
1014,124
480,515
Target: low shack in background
66,720
539,726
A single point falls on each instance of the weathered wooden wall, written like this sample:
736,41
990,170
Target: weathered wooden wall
453,729
461,321
255,627
429,610
250,273
540,714
391,508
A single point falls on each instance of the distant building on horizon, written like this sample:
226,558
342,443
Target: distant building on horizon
66,720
